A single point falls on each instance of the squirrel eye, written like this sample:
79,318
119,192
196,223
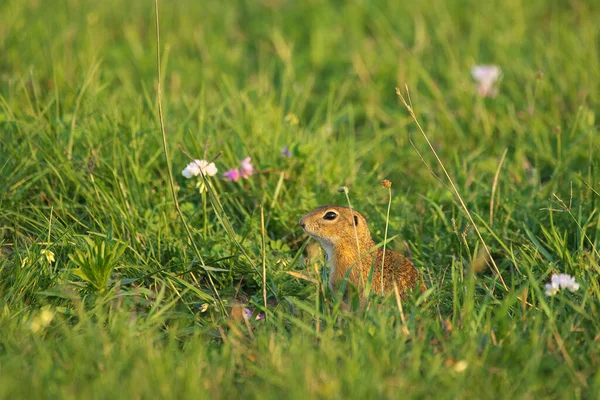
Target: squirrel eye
330,216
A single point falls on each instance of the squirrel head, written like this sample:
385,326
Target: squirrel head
334,226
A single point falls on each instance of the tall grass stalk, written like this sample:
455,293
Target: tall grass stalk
456,193
165,148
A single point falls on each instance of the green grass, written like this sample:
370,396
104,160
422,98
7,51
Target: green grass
127,308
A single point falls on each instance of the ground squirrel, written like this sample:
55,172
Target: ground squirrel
334,227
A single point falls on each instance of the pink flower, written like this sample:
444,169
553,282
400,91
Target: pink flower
245,171
247,168
249,313
232,175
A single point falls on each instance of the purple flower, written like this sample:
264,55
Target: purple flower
286,152
232,175
247,168
249,313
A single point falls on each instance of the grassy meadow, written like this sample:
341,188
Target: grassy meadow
108,290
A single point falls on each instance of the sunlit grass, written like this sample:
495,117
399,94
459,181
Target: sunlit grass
103,293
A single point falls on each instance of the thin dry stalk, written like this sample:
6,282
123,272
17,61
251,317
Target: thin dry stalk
400,311
494,185
169,169
264,256
567,357
345,190
387,223
427,165
302,276
455,191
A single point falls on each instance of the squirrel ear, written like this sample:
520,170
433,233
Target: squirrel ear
355,220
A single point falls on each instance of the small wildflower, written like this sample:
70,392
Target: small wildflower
285,151
343,189
559,282
49,255
551,290
198,167
233,175
245,171
460,366
191,170
204,307
46,316
247,168
292,119
42,320
486,77
248,313
386,183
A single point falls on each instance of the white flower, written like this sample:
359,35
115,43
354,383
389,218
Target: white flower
551,290
191,170
197,167
486,77
559,282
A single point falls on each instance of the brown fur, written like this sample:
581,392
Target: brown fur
339,239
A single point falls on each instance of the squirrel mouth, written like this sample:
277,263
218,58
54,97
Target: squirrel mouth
307,230
320,239
304,225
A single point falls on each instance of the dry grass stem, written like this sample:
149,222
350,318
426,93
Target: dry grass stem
264,256
360,256
387,223
169,168
495,185
454,188
400,310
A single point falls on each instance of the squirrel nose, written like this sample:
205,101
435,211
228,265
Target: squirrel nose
302,223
